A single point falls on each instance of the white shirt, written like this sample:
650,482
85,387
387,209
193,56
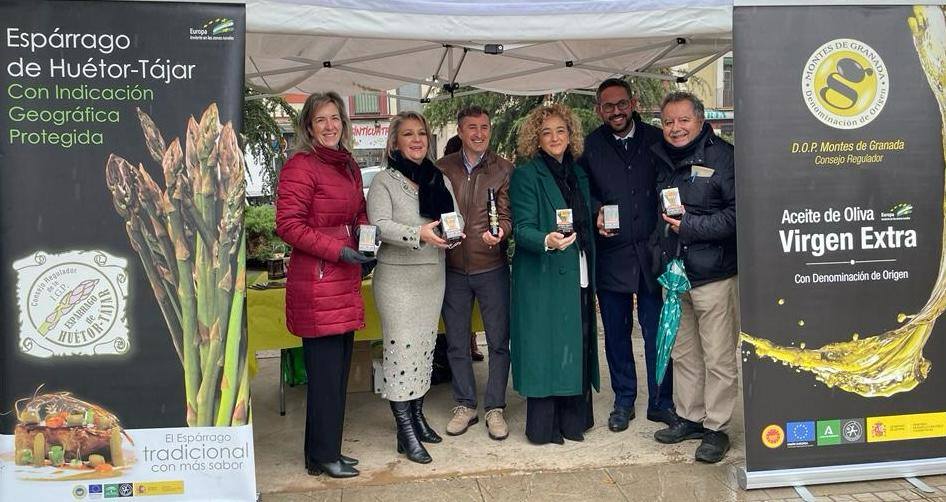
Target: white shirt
629,135
582,269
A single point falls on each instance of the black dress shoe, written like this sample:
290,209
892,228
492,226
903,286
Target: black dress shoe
713,448
666,416
341,458
619,418
337,469
681,430
577,438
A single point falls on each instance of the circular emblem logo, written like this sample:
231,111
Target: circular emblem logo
852,431
845,83
126,490
73,304
773,436
79,492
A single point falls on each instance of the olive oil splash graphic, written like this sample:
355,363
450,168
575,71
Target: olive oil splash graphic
890,362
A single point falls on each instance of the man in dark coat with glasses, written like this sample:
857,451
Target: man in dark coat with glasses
619,161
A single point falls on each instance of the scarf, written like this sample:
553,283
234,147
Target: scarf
564,174
339,158
679,154
432,195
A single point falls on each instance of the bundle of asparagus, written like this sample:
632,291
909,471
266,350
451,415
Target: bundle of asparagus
191,243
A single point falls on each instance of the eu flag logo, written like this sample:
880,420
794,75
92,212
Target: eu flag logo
800,433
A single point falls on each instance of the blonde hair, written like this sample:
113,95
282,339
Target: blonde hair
304,141
396,122
528,144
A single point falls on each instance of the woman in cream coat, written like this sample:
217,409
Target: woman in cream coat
406,202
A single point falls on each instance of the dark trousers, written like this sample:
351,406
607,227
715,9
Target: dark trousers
327,362
616,316
492,290
549,419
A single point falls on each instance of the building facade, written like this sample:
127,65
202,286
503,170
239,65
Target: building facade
714,86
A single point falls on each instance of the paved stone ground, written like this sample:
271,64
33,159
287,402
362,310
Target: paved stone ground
667,482
606,466
369,436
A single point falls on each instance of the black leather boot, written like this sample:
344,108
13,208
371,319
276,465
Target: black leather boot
337,469
424,431
407,440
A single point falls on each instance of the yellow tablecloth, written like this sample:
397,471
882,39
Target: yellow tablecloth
266,318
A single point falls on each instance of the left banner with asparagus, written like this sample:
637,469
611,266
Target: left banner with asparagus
123,349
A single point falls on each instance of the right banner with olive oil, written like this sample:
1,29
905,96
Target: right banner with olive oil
842,270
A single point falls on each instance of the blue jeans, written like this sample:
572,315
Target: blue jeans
618,324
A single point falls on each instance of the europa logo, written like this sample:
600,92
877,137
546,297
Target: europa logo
845,83
219,26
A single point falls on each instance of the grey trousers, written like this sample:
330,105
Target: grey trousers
492,290
705,370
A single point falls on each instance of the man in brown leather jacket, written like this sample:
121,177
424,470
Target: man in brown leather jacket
477,269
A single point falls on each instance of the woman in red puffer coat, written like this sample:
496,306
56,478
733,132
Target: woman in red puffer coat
319,205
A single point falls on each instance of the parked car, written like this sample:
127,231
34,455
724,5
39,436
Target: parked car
367,174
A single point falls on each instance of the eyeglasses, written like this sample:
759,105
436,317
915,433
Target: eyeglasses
622,105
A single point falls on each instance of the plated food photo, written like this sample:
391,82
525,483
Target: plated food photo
58,436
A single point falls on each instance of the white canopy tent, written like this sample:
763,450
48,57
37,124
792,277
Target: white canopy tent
511,46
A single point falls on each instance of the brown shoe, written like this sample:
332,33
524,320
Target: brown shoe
463,418
496,424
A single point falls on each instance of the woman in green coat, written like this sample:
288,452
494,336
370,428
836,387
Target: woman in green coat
552,330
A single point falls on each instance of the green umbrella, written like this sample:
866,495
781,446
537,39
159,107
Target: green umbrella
674,280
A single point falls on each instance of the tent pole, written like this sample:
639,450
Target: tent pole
311,64
256,67
706,63
294,82
447,57
311,69
513,75
632,73
372,57
379,74
625,52
443,57
283,71
453,78
657,57
443,97
578,64
710,41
